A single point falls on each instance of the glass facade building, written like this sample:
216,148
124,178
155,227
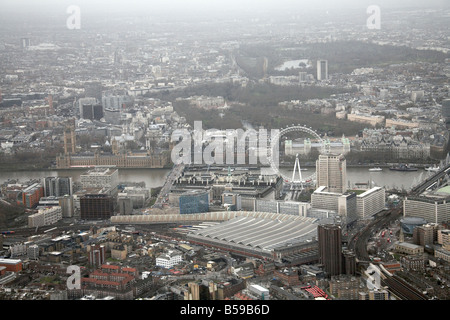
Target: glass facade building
194,202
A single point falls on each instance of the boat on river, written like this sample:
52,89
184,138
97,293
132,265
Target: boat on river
433,169
403,167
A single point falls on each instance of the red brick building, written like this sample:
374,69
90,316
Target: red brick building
13,265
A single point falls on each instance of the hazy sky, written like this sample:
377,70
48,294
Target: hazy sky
206,5
37,12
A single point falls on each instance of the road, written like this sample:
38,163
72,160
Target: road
358,242
172,176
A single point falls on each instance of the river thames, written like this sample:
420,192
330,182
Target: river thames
156,177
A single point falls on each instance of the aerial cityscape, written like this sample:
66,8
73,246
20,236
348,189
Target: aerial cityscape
233,151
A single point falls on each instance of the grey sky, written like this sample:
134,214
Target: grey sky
166,6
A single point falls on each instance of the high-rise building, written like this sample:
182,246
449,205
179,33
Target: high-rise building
330,248
90,109
349,267
58,186
331,172
322,70
96,206
97,255
425,234
67,206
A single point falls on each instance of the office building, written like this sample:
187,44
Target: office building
116,101
195,201
90,109
125,204
330,248
67,206
96,206
100,177
32,195
58,186
344,204
370,202
331,171
349,267
425,235
169,259
431,209
45,217
322,70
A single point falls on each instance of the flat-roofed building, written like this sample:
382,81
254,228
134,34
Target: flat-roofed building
370,202
96,206
169,259
443,238
425,234
194,201
284,207
45,217
374,295
433,209
344,204
14,265
32,195
331,171
443,254
408,248
100,177
330,248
